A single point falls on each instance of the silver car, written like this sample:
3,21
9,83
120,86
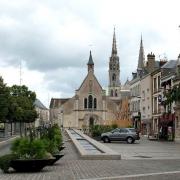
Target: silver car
121,134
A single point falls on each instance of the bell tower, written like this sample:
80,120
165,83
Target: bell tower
114,71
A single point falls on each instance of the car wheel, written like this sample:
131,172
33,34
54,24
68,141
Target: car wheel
130,140
106,139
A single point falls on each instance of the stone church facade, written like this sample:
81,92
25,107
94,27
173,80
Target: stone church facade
90,105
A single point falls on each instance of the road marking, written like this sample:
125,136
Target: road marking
134,175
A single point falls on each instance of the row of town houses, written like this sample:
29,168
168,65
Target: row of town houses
148,86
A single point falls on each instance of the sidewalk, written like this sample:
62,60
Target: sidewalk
71,167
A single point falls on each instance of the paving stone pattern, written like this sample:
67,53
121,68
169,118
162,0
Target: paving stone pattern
71,167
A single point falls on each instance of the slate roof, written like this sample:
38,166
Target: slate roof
39,104
57,102
90,62
170,64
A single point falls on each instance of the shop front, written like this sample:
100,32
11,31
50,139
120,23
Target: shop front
137,121
166,127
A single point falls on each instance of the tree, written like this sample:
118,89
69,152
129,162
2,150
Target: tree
172,95
4,96
21,108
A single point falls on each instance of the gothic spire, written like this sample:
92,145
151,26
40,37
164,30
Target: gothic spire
90,63
141,56
114,49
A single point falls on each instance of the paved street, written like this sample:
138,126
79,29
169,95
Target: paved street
145,149
71,167
5,145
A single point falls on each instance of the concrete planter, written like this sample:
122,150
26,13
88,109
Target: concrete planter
97,138
56,158
61,148
29,165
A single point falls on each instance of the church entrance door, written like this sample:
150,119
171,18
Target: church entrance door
91,121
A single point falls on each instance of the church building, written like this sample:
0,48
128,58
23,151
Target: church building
90,105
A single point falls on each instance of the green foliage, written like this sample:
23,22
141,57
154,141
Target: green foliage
21,107
172,95
4,96
25,148
114,126
52,138
97,130
130,126
5,161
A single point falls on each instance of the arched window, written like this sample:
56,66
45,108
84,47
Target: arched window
114,77
85,103
111,92
95,103
90,102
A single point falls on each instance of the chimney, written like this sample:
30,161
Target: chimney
150,62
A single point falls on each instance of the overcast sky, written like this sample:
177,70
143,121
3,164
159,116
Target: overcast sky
52,39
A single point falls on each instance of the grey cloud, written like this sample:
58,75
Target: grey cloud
44,45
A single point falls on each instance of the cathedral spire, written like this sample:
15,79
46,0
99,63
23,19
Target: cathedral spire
114,71
141,56
114,49
90,63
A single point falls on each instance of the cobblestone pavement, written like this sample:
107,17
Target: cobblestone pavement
147,149
71,167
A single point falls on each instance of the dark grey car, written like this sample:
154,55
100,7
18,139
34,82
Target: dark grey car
121,134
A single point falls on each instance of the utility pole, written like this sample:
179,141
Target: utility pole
20,73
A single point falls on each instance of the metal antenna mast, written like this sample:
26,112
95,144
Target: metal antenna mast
20,73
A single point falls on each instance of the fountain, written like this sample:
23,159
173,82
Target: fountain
88,148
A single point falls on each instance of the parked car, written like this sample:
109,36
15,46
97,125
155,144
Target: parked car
121,134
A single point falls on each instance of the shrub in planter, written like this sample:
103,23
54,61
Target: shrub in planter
25,148
5,161
52,138
31,155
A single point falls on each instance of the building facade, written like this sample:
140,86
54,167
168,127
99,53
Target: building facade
146,104
89,105
176,82
156,101
43,114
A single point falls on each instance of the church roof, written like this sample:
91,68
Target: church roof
39,104
85,80
57,102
